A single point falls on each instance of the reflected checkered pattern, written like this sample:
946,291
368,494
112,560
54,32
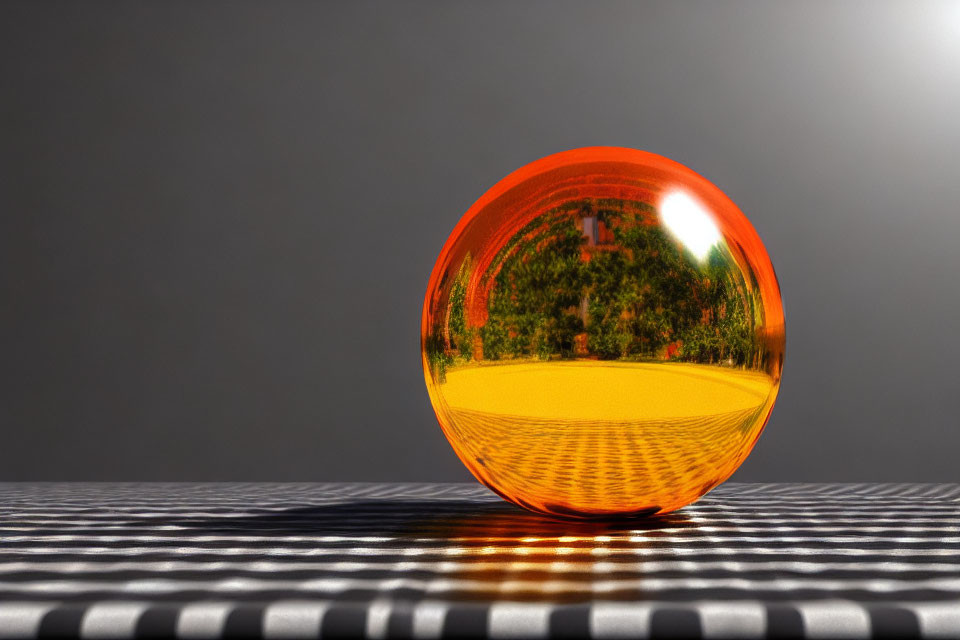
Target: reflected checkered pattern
633,458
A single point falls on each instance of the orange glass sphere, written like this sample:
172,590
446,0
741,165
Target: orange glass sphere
603,335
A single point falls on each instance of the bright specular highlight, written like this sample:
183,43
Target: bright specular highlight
689,223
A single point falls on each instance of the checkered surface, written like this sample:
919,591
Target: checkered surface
429,561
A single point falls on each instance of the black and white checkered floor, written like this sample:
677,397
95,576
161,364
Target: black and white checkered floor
431,561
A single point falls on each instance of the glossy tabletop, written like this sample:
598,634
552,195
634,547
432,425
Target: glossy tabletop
429,561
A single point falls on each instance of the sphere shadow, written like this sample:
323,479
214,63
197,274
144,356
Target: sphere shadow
458,550
424,520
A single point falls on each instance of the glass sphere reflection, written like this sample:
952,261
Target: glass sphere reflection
603,335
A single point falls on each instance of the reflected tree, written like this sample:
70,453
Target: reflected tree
556,291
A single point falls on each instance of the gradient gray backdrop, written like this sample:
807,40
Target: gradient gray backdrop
217,220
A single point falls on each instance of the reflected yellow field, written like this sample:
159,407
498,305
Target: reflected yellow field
599,390
590,438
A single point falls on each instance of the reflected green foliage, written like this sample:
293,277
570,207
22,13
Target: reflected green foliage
637,296
531,310
437,358
555,292
461,336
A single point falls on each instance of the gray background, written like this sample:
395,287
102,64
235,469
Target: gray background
218,220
